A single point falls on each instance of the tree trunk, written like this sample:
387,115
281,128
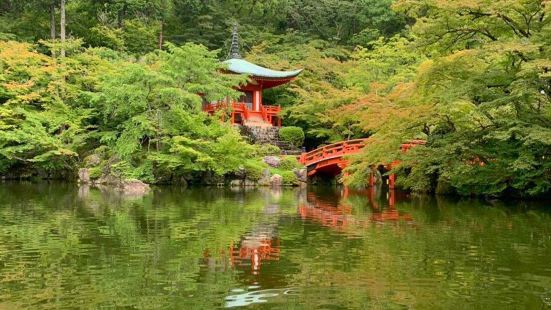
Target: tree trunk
62,30
161,36
121,16
52,20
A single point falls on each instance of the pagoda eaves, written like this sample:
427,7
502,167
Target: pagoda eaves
241,66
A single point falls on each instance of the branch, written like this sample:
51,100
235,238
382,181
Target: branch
513,25
484,32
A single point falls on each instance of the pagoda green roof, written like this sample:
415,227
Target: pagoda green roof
241,66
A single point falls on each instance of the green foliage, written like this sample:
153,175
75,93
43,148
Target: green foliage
141,23
39,126
254,169
107,37
470,77
289,178
145,113
292,134
139,38
267,150
482,101
289,163
321,91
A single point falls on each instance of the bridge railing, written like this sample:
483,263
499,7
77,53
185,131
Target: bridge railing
333,150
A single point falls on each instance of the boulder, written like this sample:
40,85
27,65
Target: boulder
134,187
272,161
109,180
92,160
83,191
265,178
236,183
301,174
84,176
276,180
249,183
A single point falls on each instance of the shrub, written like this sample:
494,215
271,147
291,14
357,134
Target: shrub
293,135
268,150
289,178
107,37
289,163
95,173
253,170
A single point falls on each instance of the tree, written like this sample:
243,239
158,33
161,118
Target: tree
488,124
62,26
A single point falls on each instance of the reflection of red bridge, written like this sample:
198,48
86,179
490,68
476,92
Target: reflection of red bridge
331,159
339,215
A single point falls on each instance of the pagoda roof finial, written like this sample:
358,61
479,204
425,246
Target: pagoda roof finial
234,49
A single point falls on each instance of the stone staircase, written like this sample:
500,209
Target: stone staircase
265,133
256,121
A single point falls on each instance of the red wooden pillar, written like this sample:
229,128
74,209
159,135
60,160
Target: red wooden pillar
371,179
345,192
391,181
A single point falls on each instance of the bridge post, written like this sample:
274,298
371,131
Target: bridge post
391,181
371,179
302,158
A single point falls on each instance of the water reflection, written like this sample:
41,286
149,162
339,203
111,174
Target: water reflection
257,297
65,247
338,214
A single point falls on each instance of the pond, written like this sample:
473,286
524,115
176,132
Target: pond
67,247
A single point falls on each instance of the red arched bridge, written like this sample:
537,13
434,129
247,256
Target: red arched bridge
331,159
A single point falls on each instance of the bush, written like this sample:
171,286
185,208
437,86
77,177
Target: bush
95,173
268,150
293,135
289,178
289,163
139,37
253,170
107,37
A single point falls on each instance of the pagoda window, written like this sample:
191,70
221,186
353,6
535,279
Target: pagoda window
247,98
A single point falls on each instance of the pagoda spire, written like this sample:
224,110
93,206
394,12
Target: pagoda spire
234,50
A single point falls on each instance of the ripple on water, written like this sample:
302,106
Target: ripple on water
256,295
208,249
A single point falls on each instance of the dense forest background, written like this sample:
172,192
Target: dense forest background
118,79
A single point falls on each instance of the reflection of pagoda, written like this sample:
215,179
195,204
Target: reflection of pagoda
249,108
260,244
254,249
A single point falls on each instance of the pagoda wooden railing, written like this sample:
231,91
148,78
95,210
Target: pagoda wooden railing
272,109
267,112
264,113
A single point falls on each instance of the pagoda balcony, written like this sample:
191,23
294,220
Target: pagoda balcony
241,114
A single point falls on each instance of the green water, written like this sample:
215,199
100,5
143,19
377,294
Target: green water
64,247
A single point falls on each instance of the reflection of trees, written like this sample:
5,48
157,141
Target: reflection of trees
261,242
101,249
171,249
457,252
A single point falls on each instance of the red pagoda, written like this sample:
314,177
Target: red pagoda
249,109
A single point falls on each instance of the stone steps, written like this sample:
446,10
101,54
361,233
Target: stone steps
268,135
